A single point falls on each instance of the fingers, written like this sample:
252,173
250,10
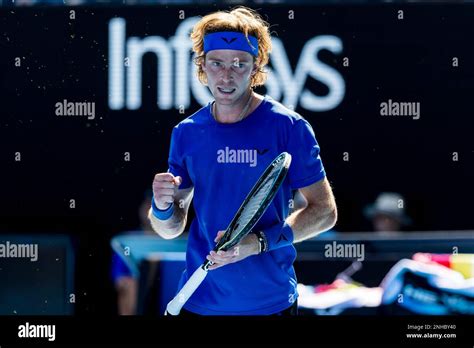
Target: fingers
164,177
166,192
223,257
165,186
167,180
219,236
163,196
163,202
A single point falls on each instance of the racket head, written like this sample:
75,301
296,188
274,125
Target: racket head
256,203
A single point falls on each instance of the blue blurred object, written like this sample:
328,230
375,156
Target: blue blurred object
155,262
119,268
44,286
428,289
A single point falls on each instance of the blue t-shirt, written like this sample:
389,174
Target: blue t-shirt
222,162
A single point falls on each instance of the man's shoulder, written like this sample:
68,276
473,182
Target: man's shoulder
283,113
199,117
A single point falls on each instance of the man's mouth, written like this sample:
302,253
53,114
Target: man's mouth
226,90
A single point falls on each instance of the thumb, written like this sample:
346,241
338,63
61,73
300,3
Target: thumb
219,236
178,180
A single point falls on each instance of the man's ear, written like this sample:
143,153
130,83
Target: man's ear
253,72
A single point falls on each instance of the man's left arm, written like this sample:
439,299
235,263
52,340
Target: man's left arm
318,215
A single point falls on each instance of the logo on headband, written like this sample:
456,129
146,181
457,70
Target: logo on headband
229,41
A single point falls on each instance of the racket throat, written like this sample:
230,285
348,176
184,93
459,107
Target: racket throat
206,265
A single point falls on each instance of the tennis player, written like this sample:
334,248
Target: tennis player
216,156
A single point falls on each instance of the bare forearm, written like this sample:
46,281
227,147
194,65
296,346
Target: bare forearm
172,227
311,220
127,288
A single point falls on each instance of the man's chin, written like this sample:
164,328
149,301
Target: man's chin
224,99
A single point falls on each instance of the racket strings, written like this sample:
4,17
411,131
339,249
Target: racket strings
254,204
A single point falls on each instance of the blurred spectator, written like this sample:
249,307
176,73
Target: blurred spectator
125,283
388,213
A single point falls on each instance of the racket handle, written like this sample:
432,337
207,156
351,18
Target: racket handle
175,305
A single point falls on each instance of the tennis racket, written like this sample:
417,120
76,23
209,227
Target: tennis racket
251,210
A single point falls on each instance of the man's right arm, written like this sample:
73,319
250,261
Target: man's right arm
165,191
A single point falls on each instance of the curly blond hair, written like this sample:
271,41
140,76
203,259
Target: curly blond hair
241,19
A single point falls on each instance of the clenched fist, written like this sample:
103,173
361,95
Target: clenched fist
165,186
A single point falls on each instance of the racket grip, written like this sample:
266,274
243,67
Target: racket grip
175,305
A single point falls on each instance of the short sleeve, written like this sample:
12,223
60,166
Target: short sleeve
176,160
306,165
119,268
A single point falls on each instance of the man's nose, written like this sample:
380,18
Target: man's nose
227,74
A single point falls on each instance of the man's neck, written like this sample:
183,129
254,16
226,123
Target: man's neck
232,113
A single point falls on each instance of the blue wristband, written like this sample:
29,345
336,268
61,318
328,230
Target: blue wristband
278,236
161,214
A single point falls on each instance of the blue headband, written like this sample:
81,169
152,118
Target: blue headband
230,40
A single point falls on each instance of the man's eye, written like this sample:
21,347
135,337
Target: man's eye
215,63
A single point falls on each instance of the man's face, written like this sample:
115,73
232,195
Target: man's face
385,223
228,74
